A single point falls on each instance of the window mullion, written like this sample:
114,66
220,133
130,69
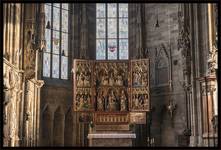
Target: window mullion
106,37
51,68
60,42
117,31
70,30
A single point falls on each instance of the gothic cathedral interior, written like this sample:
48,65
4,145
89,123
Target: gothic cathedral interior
110,74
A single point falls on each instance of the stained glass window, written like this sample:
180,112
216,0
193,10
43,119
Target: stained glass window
112,31
55,57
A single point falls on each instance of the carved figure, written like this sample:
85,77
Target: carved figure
212,61
141,102
111,102
85,104
80,80
145,104
81,102
136,75
136,102
123,100
100,102
111,79
146,99
144,78
89,100
119,80
87,79
105,76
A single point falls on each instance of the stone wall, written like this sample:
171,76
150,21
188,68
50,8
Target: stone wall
55,102
162,45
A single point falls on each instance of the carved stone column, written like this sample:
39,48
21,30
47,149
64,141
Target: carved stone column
33,45
208,86
32,112
12,103
184,48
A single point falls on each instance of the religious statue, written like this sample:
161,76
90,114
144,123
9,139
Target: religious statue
100,102
146,98
119,80
104,79
85,104
115,69
80,81
88,100
87,79
111,79
136,102
145,105
144,79
81,102
136,78
141,101
111,102
137,74
123,101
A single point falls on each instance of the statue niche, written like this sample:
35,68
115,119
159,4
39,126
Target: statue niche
30,53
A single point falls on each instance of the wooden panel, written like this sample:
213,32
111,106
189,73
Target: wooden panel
140,96
138,117
82,81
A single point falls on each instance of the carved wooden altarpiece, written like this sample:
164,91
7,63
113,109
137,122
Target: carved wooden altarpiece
111,90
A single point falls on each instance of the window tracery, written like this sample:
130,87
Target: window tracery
55,57
111,31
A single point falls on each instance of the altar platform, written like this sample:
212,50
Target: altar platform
111,139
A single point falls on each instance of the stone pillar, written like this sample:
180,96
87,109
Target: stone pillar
32,112
208,86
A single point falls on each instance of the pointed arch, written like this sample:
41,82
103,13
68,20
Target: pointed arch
58,127
68,132
162,66
47,126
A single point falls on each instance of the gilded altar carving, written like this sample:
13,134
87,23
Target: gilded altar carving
107,118
112,99
140,85
83,86
140,70
111,73
83,74
140,99
111,87
83,99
